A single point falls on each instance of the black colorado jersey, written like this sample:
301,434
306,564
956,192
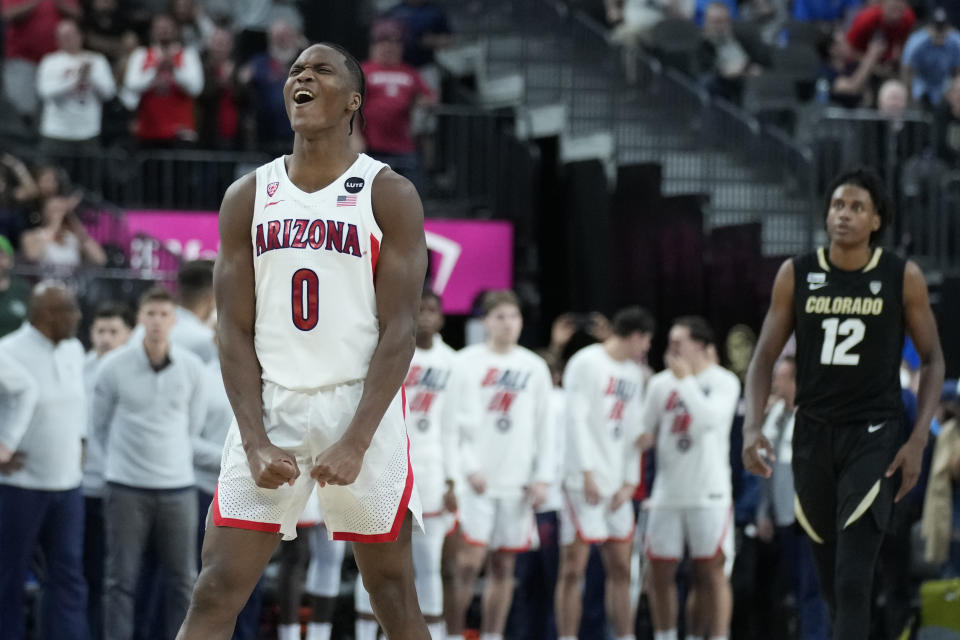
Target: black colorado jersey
849,327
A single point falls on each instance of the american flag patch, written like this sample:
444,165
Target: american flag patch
346,201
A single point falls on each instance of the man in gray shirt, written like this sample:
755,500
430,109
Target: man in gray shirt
195,295
149,403
40,501
112,323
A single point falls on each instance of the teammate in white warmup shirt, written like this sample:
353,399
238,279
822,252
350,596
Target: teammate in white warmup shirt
604,387
688,412
432,451
502,395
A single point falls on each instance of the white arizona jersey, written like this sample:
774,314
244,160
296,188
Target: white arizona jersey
691,419
603,413
503,411
314,257
429,424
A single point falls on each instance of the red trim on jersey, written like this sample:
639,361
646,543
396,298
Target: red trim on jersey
306,524
391,535
723,536
470,541
453,528
476,543
236,523
576,522
374,255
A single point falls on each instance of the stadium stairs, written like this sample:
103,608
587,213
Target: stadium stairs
562,77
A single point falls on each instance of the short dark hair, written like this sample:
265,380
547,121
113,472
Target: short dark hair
114,309
155,294
868,180
433,295
359,80
633,320
700,329
194,280
493,299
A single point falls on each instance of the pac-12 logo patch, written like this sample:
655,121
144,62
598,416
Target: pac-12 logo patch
875,286
354,185
272,189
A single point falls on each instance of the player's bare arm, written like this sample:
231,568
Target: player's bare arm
401,268
777,327
922,327
233,281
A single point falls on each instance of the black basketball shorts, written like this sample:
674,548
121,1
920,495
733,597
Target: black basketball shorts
838,473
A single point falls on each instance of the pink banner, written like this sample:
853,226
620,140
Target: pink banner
466,257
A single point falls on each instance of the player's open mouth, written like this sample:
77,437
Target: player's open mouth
303,96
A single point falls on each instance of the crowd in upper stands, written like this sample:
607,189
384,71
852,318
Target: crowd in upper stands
197,73
890,55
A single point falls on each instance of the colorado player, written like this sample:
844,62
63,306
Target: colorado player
849,306
502,393
688,411
433,454
603,385
318,283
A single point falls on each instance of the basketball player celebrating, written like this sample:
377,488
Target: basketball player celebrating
603,385
849,306
318,283
502,391
432,453
688,412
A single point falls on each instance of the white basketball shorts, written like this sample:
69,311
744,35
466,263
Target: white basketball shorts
705,531
594,524
503,523
305,424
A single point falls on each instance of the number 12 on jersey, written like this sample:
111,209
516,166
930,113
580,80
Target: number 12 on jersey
305,302
839,354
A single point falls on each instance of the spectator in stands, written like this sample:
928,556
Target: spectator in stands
930,58
394,89
219,109
700,10
824,10
264,77
161,83
893,99
255,15
73,84
196,306
194,23
41,507
948,125
849,79
30,27
426,29
724,60
775,517
14,291
149,402
110,329
18,190
941,508
888,20
60,240
634,20
105,23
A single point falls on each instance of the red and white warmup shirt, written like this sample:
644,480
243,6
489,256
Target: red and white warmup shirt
691,419
503,411
430,423
314,260
603,419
